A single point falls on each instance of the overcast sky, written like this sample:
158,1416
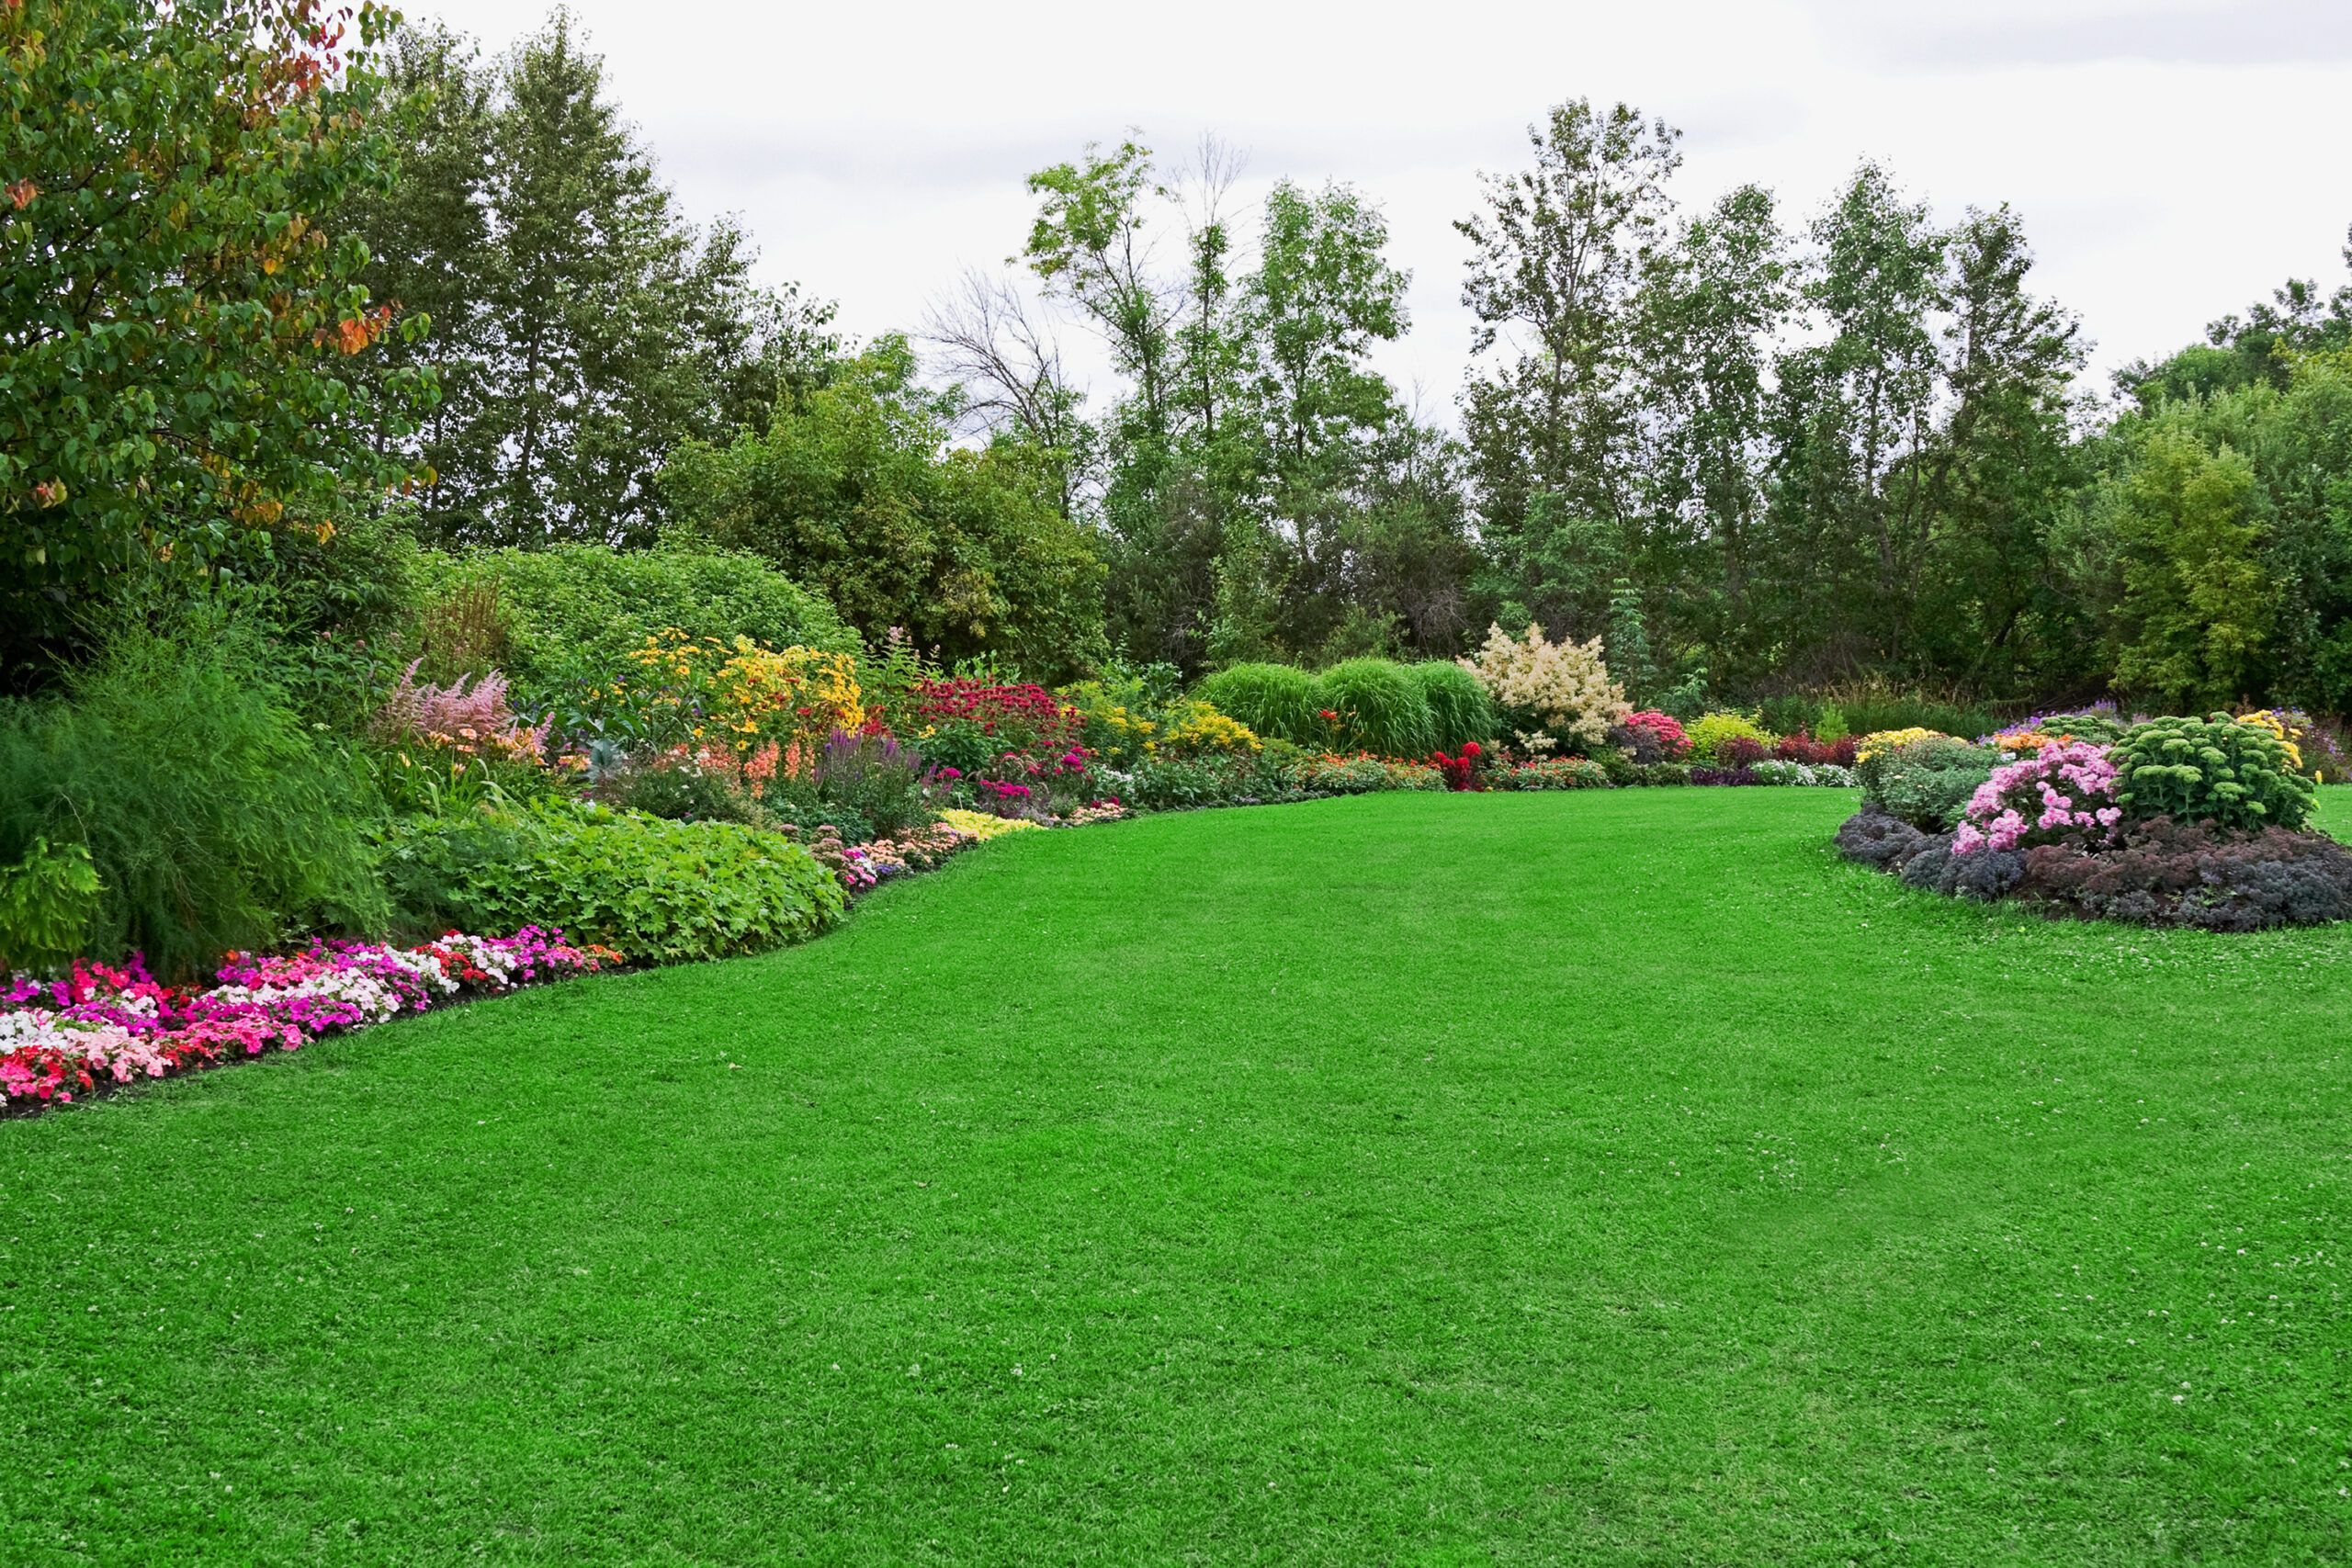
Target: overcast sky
2172,159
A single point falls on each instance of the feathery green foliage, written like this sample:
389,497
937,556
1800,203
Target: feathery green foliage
213,817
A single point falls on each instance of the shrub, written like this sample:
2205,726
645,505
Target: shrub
657,891
1818,752
1564,688
569,616
1709,731
681,794
1740,751
1459,705
211,817
2210,770
1928,782
1884,741
1733,776
2064,793
1650,736
1381,707
1659,774
1271,699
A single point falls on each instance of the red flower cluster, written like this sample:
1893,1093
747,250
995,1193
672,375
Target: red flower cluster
1460,773
1027,709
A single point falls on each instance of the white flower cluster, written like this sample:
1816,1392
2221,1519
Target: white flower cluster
1827,775
1563,686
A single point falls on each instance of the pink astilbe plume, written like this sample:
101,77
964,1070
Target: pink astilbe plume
470,721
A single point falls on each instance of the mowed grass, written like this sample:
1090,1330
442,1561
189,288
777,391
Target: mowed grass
1596,1178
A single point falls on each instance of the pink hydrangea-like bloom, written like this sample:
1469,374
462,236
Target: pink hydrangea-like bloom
2057,788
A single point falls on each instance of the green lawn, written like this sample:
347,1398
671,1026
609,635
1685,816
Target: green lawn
1599,1178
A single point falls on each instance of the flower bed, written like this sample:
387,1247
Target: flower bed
102,1025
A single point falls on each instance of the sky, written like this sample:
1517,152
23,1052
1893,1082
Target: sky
2172,160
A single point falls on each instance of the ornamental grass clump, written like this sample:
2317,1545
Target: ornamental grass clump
1380,708
2214,769
1274,701
1459,706
2064,793
1563,688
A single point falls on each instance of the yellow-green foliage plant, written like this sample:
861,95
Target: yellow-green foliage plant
1561,688
1709,731
1196,730
982,826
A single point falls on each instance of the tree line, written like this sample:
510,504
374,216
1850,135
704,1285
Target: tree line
1753,451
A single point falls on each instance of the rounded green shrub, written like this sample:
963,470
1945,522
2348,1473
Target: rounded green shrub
1272,700
571,615
1459,705
658,891
2214,769
1380,707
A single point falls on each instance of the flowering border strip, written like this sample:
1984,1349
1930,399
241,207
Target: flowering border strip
102,1025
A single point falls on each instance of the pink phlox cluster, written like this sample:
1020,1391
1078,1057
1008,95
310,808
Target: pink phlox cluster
2067,791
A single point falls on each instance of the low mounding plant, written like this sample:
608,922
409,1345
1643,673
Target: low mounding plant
210,815
657,891
1562,688
1459,705
1381,707
2064,793
2213,768
1710,731
1552,773
1272,700
2196,874
1928,782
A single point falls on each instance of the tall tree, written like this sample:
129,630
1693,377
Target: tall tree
1556,255
1856,413
1712,305
585,326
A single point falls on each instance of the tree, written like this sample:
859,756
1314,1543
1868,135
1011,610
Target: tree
1710,306
2172,551
1856,412
586,327
854,491
1555,256
175,294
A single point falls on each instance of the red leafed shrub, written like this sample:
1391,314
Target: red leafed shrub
1737,751
1803,747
